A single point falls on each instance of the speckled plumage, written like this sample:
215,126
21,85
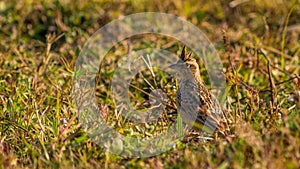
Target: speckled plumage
195,102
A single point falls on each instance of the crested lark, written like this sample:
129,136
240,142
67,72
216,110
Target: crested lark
194,101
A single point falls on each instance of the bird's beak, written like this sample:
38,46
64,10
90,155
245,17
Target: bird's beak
173,66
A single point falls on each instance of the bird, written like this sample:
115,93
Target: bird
198,107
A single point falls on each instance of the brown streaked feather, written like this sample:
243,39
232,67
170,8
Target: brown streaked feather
208,109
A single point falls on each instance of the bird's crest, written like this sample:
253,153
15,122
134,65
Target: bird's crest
186,57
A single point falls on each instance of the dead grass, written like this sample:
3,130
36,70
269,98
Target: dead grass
40,41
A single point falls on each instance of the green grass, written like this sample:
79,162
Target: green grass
41,40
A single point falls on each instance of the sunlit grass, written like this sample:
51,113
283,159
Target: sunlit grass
40,41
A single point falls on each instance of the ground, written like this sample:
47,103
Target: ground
258,43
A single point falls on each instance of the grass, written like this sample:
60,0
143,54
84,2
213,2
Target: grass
40,41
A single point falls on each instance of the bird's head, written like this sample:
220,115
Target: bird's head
186,64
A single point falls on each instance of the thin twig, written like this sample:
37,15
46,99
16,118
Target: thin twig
271,81
285,81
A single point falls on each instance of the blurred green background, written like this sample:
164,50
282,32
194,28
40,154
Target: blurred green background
40,41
